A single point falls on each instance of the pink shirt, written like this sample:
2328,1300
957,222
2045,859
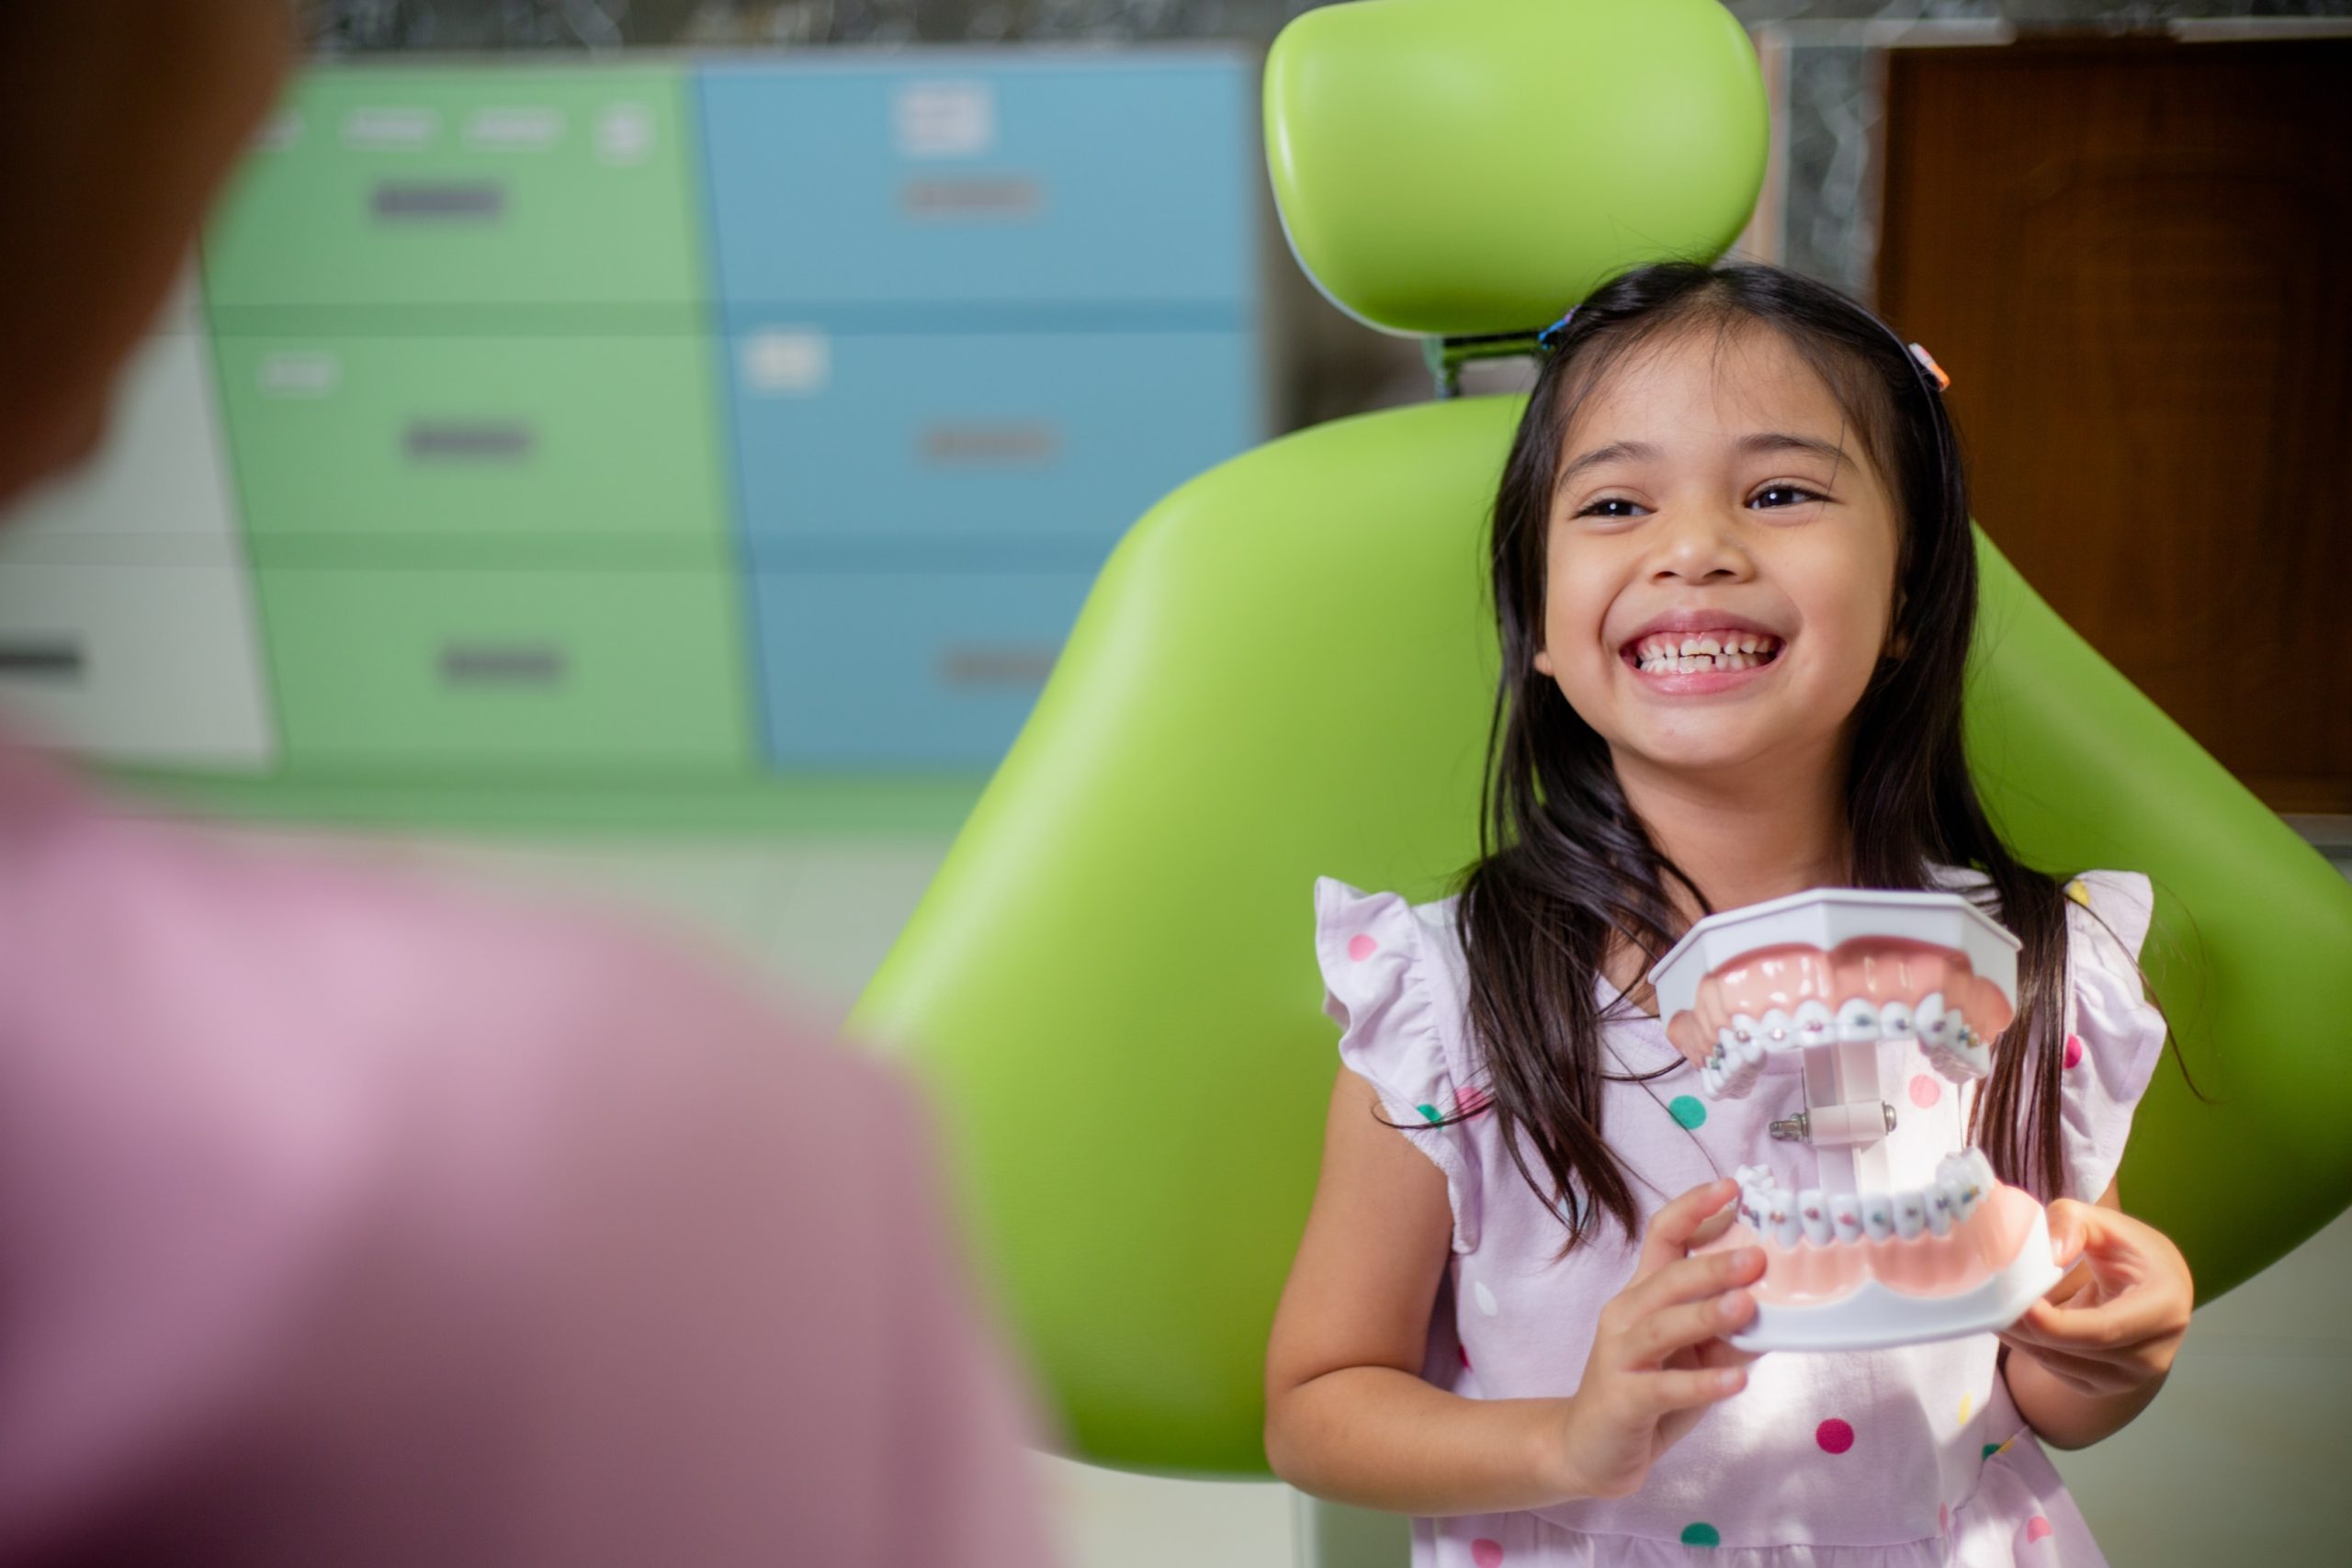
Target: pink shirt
1905,1458
343,1220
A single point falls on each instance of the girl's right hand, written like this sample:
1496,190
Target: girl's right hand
1658,1359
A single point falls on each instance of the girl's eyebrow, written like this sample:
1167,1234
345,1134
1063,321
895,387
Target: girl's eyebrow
1758,441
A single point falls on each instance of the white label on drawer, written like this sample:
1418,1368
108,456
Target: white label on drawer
304,373
280,131
391,129
625,133
944,120
519,130
787,362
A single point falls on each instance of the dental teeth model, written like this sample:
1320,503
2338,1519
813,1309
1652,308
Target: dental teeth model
1890,1231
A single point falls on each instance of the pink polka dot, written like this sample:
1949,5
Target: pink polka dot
1464,1351
1486,1553
2036,1529
1926,1091
1471,1100
1943,1518
1833,1435
2074,1049
1361,948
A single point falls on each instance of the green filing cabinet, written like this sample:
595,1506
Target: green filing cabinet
485,670
456,436
535,185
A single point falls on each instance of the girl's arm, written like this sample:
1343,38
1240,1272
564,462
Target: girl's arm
1347,1416
2089,1358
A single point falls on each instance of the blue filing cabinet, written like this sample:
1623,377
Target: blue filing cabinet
981,309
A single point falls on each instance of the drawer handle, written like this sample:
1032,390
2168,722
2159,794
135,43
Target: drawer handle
973,665
438,201
469,441
503,664
42,659
1008,444
973,198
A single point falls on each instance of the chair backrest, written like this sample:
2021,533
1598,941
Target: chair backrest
1285,671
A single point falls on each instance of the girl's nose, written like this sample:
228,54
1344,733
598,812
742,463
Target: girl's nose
1700,543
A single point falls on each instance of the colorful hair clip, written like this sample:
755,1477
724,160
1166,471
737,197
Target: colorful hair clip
1549,338
1928,362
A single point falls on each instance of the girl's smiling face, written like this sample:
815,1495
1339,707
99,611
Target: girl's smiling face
1712,484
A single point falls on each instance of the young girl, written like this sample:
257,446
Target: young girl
1734,585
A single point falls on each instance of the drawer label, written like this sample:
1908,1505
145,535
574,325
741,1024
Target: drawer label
973,665
944,120
391,129
503,664
625,134
300,373
787,362
519,130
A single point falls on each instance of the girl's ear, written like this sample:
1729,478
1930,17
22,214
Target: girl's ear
1543,661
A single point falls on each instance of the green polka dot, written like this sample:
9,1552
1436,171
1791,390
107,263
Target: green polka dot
1687,1110
1990,1449
1431,1112
1701,1534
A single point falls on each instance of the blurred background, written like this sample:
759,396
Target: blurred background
649,451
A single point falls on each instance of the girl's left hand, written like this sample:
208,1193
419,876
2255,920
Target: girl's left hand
2115,1322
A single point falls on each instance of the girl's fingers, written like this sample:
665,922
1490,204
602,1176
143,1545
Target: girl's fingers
2080,1373
1673,1228
1685,1389
1689,1279
1657,1335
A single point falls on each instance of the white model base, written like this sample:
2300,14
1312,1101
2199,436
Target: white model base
1874,1317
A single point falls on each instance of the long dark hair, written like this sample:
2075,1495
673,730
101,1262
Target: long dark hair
1565,863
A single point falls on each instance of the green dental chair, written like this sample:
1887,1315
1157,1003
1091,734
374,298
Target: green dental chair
1286,670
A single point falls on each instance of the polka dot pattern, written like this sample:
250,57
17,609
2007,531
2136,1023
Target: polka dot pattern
1470,1102
1688,1111
2037,1528
1967,1405
2073,1050
1701,1534
1833,1435
1486,1553
1925,1090
2079,892
1431,1112
1484,1297
1362,947
1943,1518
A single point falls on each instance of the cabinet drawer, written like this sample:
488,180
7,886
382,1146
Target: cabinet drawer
152,664
1061,183
619,671
397,186
1061,434
160,475
881,670
472,435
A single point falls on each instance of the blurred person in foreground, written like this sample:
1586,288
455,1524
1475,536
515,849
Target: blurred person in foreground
348,1222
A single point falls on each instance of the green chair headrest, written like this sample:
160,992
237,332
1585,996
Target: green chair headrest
1462,167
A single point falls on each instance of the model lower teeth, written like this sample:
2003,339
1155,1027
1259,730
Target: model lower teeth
1832,1219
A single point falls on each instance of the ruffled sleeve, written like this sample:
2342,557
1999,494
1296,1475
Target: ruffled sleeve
1389,985
2114,1033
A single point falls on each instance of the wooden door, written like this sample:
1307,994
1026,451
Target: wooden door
2134,256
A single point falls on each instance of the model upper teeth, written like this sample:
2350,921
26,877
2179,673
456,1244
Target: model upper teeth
1956,1050
1687,653
1826,1219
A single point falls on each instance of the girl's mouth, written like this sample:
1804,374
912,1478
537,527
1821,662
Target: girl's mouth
1700,660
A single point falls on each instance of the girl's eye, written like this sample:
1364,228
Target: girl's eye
1600,508
1794,495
